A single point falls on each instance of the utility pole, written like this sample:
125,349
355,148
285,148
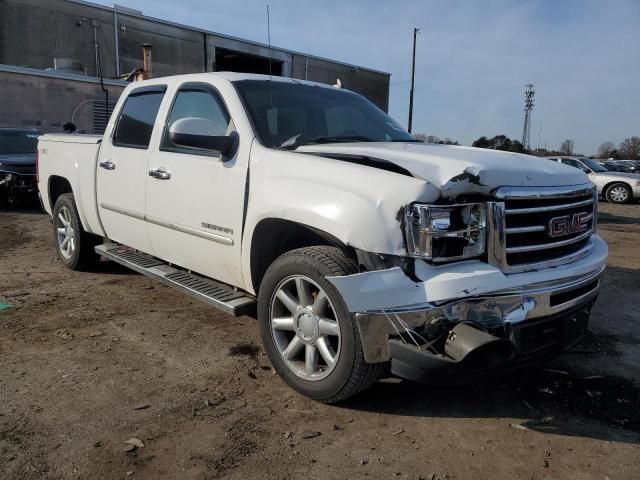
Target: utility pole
539,133
413,77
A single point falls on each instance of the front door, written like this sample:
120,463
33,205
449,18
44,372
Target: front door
195,197
122,169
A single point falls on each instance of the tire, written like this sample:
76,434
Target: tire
333,382
619,193
78,251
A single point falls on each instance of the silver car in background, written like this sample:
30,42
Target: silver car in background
616,187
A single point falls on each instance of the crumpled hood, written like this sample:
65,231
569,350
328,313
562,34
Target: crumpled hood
461,170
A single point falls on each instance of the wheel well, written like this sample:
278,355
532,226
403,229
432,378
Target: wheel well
273,237
58,186
610,184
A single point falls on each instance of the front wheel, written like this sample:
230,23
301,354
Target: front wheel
619,193
306,328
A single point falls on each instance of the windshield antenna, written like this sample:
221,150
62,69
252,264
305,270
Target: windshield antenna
273,137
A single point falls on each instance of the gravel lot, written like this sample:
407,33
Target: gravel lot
91,360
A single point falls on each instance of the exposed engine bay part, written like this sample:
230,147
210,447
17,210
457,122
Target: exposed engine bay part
465,347
371,262
427,326
470,354
466,343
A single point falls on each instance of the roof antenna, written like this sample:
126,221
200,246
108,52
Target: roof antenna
272,130
269,39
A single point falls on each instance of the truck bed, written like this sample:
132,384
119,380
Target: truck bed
71,159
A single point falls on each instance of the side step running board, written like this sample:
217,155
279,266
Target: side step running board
214,293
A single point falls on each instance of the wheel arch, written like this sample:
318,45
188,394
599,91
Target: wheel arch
58,186
607,186
273,237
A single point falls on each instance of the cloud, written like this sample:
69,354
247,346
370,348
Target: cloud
473,58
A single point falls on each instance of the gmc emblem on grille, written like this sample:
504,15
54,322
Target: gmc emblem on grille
569,224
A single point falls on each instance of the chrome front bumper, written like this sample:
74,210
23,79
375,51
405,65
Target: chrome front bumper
489,312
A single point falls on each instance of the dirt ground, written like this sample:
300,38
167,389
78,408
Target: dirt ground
90,360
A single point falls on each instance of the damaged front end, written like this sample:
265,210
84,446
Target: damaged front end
490,289
16,184
461,339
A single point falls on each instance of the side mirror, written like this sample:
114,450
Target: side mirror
195,132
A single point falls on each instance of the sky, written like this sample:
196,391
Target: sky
473,58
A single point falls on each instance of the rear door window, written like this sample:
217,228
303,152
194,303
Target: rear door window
138,116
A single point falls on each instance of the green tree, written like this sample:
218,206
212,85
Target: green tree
500,142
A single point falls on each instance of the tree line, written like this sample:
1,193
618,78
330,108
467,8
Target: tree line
628,149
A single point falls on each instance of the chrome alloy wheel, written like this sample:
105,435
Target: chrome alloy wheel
305,327
65,233
618,194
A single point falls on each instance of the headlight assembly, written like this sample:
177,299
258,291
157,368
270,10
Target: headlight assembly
446,232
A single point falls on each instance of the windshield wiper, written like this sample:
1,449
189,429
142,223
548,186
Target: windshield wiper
298,140
340,139
410,140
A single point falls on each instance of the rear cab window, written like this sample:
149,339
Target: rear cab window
138,116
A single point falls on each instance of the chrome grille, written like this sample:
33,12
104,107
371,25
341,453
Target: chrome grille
521,235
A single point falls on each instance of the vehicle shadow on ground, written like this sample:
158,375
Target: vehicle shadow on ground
112,268
549,401
611,219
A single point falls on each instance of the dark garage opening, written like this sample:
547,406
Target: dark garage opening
233,61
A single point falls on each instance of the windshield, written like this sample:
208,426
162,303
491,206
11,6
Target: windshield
16,141
288,115
595,166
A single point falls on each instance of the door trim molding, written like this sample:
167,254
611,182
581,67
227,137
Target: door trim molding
173,226
123,211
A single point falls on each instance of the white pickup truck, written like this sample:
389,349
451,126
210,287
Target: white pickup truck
358,248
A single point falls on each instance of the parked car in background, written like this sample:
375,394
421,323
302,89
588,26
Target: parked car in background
18,147
629,166
616,187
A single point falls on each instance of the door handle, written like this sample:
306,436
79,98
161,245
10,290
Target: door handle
160,174
108,165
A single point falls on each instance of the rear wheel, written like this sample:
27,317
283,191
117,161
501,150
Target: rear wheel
307,330
619,193
74,246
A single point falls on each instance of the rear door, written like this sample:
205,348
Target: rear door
122,168
195,197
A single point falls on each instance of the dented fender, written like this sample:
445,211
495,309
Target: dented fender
357,205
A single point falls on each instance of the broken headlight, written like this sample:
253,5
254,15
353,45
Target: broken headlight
446,232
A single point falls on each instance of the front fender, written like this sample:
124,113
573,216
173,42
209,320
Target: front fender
359,205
